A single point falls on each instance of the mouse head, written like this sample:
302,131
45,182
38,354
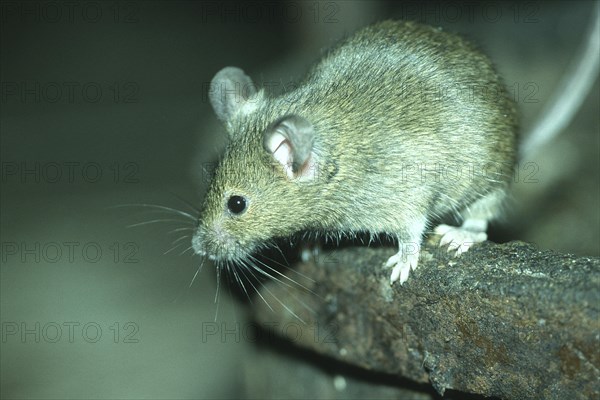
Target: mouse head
262,185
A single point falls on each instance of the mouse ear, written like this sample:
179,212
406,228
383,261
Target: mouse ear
229,91
290,141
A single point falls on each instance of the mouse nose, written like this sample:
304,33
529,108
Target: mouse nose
215,242
198,243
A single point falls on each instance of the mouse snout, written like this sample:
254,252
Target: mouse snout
215,242
198,243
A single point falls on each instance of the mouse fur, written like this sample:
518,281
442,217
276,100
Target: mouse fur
398,128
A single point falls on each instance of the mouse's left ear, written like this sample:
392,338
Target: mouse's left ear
230,91
290,140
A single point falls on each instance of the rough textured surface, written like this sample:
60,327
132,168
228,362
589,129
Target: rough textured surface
502,320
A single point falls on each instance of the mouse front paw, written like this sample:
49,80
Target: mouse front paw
402,263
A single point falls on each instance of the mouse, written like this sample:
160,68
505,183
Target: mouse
399,130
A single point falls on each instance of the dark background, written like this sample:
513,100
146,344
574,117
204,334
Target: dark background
104,104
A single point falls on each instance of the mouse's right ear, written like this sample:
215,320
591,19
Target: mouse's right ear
229,91
290,141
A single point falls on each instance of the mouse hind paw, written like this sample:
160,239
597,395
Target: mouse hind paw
460,239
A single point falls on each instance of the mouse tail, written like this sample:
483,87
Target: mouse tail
570,93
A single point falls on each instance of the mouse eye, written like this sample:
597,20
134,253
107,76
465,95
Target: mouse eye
236,204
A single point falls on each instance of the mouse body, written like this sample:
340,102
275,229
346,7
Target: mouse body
398,128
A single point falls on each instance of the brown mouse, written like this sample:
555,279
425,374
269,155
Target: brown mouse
399,128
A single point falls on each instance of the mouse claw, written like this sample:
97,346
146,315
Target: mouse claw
459,239
403,264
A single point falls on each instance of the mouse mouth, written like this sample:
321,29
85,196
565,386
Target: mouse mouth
217,245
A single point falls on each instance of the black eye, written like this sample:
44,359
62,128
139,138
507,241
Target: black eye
236,204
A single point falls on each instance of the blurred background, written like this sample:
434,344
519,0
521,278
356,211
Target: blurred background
104,109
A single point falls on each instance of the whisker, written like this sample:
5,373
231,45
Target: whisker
186,202
186,250
154,221
183,252
172,248
289,269
260,270
241,283
249,269
180,239
197,271
282,255
232,304
265,287
289,292
185,228
159,207
306,306
217,292
268,275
